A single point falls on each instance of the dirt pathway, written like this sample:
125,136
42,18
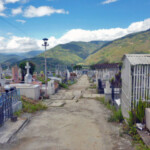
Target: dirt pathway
78,125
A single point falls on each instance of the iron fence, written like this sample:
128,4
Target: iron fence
7,100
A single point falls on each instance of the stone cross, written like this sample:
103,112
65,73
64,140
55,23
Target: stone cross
28,67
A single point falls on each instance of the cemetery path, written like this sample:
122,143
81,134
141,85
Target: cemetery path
78,125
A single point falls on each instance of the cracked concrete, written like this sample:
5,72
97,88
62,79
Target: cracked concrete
78,125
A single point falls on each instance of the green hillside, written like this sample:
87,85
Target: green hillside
138,43
73,52
40,63
7,57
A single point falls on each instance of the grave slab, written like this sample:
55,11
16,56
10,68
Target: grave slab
57,104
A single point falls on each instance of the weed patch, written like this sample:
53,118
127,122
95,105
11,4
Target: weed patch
30,107
116,115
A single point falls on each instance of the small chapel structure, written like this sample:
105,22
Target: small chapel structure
135,81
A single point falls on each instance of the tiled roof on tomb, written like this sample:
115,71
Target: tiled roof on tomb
137,59
106,65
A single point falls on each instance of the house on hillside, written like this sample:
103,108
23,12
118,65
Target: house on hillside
105,72
135,81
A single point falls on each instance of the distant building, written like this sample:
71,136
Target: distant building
105,72
135,80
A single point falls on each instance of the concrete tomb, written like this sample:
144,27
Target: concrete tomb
28,90
51,87
108,91
67,74
15,74
2,79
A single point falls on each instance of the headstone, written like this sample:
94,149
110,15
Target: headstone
51,87
15,74
68,74
28,77
108,91
8,72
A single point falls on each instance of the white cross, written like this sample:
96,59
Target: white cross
27,67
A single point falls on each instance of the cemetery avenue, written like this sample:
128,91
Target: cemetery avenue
80,124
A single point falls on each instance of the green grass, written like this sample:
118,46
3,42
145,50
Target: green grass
28,107
136,139
31,108
116,115
63,85
93,86
42,79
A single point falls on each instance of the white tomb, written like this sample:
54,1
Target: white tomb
28,90
68,74
2,80
28,77
107,91
51,87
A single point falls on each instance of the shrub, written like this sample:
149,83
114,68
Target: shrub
116,116
63,85
140,111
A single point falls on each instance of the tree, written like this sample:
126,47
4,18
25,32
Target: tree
77,67
23,69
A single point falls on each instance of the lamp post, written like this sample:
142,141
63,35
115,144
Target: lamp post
45,45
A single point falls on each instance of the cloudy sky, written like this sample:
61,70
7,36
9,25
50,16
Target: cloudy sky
23,23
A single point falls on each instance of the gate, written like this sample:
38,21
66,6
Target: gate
6,104
100,87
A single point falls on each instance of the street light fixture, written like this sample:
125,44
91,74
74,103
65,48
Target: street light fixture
45,45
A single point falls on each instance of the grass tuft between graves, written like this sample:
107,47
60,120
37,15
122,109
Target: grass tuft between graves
28,107
116,115
63,85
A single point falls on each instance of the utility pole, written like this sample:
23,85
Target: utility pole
45,45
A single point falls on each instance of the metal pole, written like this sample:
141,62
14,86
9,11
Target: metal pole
45,45
45,72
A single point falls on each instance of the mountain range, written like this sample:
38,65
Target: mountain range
138,43
86,53
12,58
73,52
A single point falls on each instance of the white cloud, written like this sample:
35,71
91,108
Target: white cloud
16,11
22,44
32,11
11,1
18,44
109,1
2,7
21,21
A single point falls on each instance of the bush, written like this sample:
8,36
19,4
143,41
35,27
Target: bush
42,79
140,111
8,77
63,85
116,116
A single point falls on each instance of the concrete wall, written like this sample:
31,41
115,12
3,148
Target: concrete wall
126,88
147,113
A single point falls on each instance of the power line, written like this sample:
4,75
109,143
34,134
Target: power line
12,25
